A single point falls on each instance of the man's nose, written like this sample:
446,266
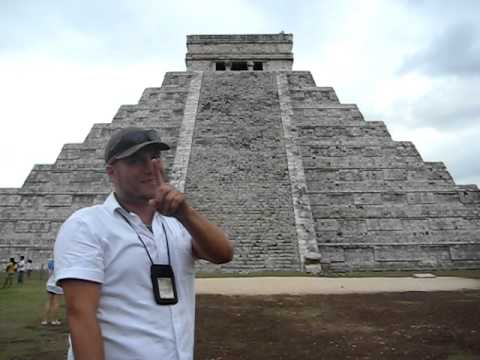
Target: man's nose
148,164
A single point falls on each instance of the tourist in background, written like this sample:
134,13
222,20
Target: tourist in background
29,268
20,270
10,269
54,293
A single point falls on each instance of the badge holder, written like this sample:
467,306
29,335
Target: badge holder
163,282
163,278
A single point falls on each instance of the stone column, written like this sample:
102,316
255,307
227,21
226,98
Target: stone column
306,236
184,144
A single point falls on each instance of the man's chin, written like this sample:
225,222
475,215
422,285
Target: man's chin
146,196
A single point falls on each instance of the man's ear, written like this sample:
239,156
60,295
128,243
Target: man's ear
112,173
110,170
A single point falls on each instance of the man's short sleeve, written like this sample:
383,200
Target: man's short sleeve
78,252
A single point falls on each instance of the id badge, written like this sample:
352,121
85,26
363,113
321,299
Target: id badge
163,281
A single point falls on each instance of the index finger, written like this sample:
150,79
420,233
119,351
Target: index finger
158,172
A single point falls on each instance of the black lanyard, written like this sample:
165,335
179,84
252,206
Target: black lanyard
140,238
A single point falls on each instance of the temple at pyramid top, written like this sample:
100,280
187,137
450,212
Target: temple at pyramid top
253,52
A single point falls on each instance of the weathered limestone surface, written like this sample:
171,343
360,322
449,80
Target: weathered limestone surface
376,204
238,172
300,181
274,51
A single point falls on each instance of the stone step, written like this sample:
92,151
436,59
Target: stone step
378,186
56,214
413,197
386,174
438,171
320,109
359,226
300,79
402,210
313,95
161,96
62,179
468,194
141,112
320,134
394,148
178,79
9,197
100,133
388,256
52,200
355,162
328,115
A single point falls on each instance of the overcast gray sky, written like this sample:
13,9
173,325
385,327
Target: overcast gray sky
65,65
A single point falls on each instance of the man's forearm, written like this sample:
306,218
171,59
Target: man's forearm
86,337
210,242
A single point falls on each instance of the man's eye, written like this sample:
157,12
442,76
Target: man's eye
155,156
133,160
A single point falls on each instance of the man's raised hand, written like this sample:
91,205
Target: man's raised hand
167,200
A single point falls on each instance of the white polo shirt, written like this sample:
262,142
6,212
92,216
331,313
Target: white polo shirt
97,244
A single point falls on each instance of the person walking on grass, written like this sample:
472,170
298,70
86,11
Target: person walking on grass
10,269
20,270
29,268
127,266
54,293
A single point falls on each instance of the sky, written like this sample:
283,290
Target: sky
68,64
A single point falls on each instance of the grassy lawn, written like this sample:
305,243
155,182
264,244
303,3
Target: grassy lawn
21,309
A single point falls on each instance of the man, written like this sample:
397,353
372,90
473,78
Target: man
20,270
29,268
10,269
127,266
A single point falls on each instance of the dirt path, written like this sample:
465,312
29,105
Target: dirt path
384,326
317,285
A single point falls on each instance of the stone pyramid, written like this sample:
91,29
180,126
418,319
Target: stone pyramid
299,180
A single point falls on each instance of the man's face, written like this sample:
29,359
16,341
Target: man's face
133,177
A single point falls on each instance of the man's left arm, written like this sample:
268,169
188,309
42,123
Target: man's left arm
209,241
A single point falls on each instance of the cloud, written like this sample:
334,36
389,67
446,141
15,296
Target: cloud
113,31
49,103
455,52
446,104
67,65
459,151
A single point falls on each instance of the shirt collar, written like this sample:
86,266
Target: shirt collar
111,204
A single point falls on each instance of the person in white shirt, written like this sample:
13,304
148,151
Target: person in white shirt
54,293
127,266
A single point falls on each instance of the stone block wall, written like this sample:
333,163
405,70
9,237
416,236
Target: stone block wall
273,50
376,204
